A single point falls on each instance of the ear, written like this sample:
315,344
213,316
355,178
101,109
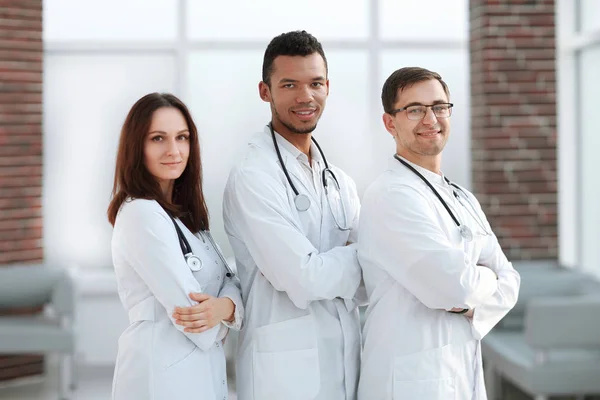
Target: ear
327,84
264,92
389,123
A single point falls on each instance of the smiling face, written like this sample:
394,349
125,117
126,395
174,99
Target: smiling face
167,147
297,92
419,141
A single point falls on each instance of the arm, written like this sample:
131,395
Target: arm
400,233
256,207
232,290
154,253
494,308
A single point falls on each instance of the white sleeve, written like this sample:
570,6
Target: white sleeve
257,205
231,289
401,235
353,238
154,252
487,314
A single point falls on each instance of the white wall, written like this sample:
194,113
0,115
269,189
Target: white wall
101,56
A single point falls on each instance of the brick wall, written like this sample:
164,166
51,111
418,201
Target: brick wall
21,54
513,122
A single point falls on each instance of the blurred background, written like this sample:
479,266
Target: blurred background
523,76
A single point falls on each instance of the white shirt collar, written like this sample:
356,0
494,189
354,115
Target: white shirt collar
293,150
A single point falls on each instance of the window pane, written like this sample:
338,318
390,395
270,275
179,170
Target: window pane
589,145
228,111
76,20
453,66
441,20
264,19
345,131
589,15
86,99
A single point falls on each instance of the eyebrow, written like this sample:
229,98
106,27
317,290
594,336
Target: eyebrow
288,80
165,133
416,103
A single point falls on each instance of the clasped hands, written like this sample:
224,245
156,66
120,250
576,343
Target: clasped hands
209,312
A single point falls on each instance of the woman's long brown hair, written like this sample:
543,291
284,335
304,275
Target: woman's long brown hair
133,180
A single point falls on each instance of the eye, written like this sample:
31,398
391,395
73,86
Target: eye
288,86
183,137
157,139
317,84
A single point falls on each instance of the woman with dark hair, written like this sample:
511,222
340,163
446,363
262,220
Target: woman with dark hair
163,251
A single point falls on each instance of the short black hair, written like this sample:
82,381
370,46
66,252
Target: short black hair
404,78
295,43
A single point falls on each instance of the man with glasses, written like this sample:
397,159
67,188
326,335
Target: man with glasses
436,276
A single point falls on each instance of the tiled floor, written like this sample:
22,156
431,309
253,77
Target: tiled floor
95,384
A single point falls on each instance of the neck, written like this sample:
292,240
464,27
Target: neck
431,163
167,189
301,141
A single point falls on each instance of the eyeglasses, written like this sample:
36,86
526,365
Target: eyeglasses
417,113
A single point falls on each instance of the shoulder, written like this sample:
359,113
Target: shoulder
396,189
140,211
259,167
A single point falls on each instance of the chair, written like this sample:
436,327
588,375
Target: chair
549,344
53,330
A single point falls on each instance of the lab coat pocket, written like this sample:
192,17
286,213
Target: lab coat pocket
286,360
426,375
187,377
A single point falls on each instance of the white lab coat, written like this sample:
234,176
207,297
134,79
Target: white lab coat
300,340
156,359
415,267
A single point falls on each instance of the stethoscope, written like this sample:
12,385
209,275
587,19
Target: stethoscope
465,231
192,260
301,200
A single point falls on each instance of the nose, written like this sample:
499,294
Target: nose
429,118
304,94
172,148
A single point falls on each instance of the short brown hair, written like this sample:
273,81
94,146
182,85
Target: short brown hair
132,178
404,78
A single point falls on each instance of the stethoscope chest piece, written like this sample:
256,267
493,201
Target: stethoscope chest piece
466,233
194,262
302,202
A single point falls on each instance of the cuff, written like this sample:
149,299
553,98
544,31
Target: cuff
236,324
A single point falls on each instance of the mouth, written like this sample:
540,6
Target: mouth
429,134
305,113
172,164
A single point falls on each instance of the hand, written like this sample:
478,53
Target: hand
208,313
468,314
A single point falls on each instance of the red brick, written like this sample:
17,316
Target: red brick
22,171
14,256
21,13
19,224
21,55
16,203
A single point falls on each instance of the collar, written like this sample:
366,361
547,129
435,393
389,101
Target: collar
285,146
